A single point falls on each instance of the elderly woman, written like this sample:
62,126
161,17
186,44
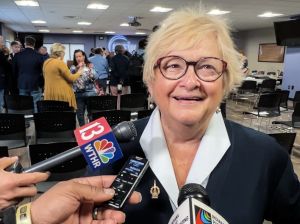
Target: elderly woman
190,64
58,78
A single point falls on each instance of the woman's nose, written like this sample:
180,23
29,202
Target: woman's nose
190,79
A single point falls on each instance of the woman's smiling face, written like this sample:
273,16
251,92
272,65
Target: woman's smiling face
189,100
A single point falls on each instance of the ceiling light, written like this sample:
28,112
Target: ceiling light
160,9
84,23
109,32
140,33
124,24
97,6
27,3
38,21
44,31
269,14
217,12
77,31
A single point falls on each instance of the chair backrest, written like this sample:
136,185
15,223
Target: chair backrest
52,106
144,113
40,152
57,126
285,139
100,103
248,85
3,151
133,102
269,103
268,85
12,128
296,98
284,98
113,117
19,104
296,116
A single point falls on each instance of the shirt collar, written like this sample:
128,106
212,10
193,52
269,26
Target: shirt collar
213,146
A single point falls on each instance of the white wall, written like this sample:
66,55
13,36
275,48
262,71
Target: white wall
249,42
8,35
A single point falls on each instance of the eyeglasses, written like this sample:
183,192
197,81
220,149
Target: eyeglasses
207,69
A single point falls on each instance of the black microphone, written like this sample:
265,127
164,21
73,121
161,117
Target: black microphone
193,190
124,132
193,207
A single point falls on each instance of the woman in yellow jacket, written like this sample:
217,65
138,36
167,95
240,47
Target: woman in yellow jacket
58,78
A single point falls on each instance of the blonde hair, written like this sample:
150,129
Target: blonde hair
56,50
184,29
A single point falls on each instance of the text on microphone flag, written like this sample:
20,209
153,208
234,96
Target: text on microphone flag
98,143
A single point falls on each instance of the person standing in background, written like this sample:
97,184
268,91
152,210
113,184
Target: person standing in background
101,69
27,69
84,86
4,68
119,71
58,78
43,51
12,82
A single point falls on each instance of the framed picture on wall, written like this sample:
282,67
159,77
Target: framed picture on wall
271,52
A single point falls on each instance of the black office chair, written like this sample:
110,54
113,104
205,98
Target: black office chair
53,106
246,91
284,98
295,122
101,103
268,106
54,126
16,104
72,168
267,85
113,117
133,102
12,130
296,98
285,139
3,151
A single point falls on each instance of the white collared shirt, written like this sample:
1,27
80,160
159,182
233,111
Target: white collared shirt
212,148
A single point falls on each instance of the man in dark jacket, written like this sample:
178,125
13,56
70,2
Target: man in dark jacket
27,69
119,71
4,68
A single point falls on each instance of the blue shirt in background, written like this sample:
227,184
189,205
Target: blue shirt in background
100,66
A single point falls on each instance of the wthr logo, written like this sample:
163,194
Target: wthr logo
98,144
105,150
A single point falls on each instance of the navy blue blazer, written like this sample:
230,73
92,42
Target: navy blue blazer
27,69
252,182
4,70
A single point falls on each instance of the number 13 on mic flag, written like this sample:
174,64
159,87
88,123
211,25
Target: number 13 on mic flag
98,143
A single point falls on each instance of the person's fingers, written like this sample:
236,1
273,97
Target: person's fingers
108,221
24,192
98,181
107,214
135,198
24,179
7,161
90,193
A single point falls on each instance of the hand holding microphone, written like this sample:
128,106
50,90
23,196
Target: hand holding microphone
193,202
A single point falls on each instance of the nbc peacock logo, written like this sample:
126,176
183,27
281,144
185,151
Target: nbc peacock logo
105,150
203,217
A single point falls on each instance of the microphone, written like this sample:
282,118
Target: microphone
97,142
193,207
